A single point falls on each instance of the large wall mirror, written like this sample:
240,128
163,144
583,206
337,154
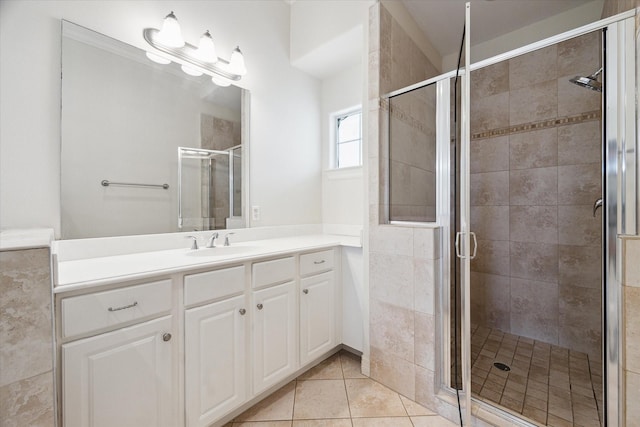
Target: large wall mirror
146,148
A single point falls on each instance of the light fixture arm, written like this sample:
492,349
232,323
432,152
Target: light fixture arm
187,54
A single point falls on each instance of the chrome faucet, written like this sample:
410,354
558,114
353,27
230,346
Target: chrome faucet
194,244
211,243
226,239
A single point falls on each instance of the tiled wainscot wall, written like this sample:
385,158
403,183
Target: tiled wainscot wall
26,368
631,320
402,260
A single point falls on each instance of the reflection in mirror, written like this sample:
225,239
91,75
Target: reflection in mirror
123,119
209,191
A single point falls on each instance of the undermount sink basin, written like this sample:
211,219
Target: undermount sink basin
221,251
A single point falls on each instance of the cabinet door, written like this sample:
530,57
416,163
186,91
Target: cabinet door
123,378
214,360
317,316
274,335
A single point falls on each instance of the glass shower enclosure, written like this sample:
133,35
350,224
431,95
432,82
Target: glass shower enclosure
530,195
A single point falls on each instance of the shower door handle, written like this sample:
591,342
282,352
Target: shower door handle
475,245
458,234
597,204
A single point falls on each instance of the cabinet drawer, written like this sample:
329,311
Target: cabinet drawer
275,271
87,313
213,284
316,262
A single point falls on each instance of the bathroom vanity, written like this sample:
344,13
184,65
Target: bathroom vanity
192,337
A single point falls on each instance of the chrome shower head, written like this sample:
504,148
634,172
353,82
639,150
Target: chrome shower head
590,82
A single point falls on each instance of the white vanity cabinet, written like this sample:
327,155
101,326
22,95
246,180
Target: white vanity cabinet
192,350
215,345
274,342
317,305
125,377
215,360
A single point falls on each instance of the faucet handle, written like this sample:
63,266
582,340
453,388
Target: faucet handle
226,239
194,244
211,243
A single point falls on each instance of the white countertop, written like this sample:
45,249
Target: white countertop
25,238
82,273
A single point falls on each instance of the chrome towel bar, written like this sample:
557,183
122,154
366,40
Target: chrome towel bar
106,183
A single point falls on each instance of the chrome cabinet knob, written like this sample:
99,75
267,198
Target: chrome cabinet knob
259,306
242,311
305,291
166,336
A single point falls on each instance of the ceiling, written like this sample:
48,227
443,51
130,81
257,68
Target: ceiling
442,20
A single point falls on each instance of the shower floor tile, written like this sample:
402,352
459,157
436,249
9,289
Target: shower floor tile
548,384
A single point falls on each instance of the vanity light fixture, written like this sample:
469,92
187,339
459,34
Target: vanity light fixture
171,35
194,61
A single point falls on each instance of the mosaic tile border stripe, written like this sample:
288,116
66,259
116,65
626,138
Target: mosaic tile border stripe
399,113
525,127
544,124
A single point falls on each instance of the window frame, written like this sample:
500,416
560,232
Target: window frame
336,118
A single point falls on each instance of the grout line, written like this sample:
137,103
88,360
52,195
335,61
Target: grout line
344,383
403,405
295,391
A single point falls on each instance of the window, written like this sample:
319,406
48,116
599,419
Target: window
348,139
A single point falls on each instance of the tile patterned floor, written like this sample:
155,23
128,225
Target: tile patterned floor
336,394
548,384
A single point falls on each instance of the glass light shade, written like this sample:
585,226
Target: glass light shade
221,81
206,51
171,35
191,71
236,63
158,59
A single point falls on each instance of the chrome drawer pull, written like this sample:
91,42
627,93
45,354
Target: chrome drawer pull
259,306
318,262
242,311
166,337
124,307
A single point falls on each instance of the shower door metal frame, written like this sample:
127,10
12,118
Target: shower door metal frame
232,183
619,184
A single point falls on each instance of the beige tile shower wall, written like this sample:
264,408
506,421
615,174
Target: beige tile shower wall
402,260
26,369
535,164
631,321
413,156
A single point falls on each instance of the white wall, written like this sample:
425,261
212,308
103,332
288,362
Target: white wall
342,190
285,146
327,36
353,298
